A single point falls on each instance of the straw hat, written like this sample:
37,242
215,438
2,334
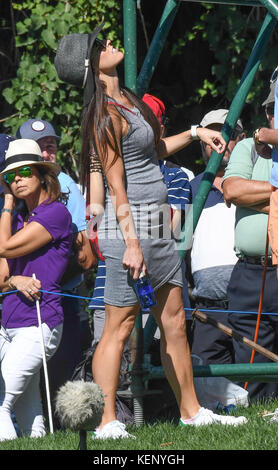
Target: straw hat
218,116
26,152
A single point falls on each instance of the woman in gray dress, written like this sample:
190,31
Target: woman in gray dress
123,133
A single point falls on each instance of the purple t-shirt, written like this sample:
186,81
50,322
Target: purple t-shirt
48,263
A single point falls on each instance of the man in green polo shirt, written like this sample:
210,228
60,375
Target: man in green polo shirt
246,184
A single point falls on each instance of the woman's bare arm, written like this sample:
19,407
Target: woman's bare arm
24,284
170,145
30,238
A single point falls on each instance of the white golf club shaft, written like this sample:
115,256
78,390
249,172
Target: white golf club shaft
44,366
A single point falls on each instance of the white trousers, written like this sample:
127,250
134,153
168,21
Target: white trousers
21,360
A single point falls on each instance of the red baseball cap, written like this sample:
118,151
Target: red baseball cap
156,105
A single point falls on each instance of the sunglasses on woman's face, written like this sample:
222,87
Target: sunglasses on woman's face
97,47
23,171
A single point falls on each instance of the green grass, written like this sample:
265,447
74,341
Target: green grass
257,434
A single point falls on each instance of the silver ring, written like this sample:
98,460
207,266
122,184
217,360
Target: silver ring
30,291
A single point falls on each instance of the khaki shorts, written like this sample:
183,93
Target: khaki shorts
273,225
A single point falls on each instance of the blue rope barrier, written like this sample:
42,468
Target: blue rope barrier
232,311
48,292
63,294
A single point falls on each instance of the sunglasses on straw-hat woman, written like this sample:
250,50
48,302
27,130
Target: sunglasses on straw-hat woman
25,152
27,175
35,239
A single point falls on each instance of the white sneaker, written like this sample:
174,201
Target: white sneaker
274,415
113,430
205,417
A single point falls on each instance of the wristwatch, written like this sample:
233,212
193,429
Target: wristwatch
193,131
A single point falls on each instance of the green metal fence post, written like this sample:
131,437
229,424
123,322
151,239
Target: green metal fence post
130,44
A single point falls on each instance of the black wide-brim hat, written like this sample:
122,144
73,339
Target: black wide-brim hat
73,61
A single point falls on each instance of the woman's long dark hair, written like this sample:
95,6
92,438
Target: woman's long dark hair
97,127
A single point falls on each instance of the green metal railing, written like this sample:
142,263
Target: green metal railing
140,340
237,372
156,46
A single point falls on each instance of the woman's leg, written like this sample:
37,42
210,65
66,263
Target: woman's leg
176,359
28,406
28,409
7,429
175,353
119,322
20,362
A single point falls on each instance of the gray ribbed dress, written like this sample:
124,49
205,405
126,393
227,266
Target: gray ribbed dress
148,198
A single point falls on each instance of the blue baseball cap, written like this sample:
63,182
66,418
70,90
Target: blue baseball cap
36,129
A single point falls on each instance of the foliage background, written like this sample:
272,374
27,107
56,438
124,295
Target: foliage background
199,69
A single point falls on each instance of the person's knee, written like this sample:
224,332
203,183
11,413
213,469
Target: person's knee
126,328
174,323
118,331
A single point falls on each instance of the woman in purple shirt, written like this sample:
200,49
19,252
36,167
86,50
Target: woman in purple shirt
35,238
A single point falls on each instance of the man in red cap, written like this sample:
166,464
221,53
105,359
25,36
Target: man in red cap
156,105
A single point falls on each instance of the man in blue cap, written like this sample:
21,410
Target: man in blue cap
69,353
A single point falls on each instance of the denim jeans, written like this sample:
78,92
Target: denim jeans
21,360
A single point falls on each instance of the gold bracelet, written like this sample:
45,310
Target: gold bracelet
10,284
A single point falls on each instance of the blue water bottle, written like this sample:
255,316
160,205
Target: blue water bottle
145,293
